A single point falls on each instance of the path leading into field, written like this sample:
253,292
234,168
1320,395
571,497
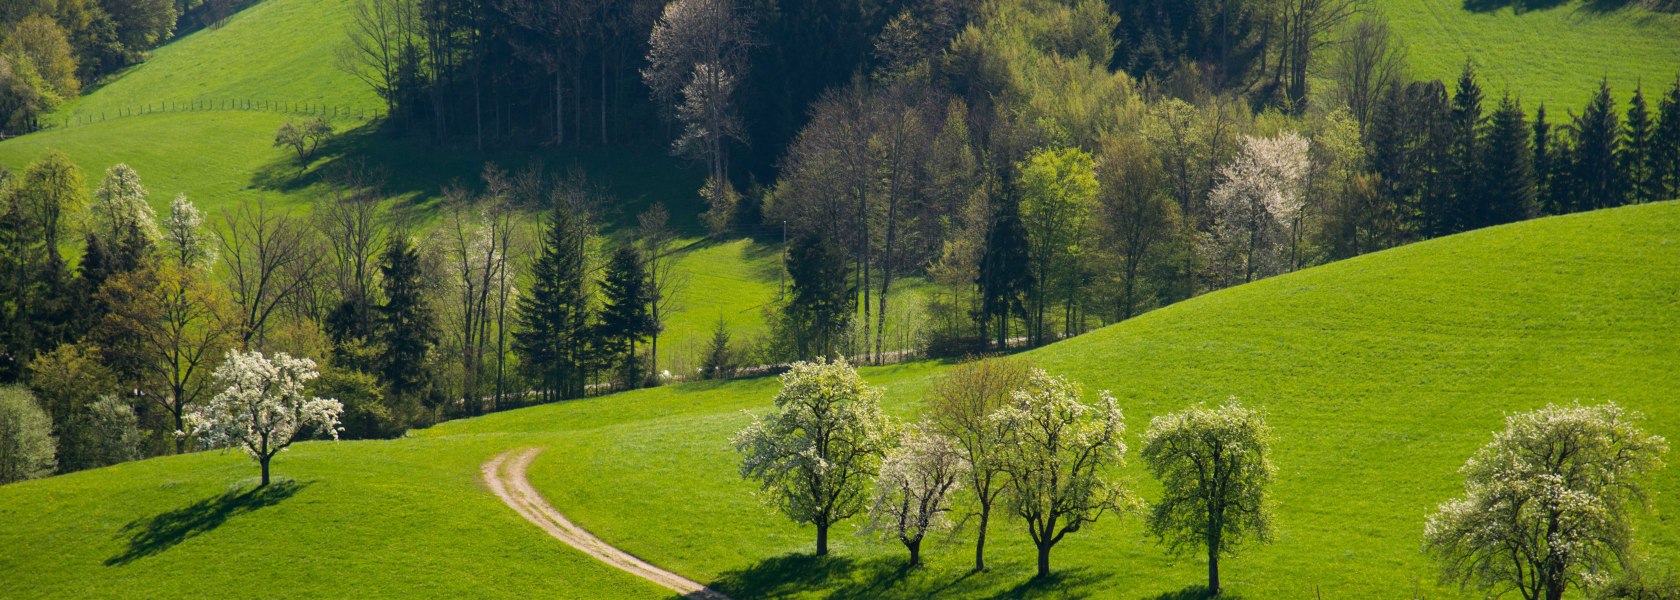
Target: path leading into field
505,475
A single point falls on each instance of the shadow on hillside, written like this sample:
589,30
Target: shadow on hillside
1589,6
1520,6
161,532
845,578
629,178
1195,592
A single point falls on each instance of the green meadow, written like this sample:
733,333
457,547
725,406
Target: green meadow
1381,375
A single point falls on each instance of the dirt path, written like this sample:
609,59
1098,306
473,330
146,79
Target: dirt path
505,475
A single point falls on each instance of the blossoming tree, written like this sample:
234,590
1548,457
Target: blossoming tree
1545,504
262,406
913,489
1058,453
815,454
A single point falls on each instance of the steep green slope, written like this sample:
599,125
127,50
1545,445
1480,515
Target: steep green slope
1554,52
1381,374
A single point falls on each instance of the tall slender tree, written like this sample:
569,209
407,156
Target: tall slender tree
554,315
1636,158
625,318
1507,167
1665,145
1469,207
407,325
1596,178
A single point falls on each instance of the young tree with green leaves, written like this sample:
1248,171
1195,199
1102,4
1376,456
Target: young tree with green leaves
625,318
27,447
1215,470
1058,200
814,454
961,406
1547,504
1059,453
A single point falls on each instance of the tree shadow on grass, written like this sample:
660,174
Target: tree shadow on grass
845,578
1064,583
161,532
1195,592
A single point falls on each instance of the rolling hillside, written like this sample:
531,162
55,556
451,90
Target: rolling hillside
1381,375
1551,51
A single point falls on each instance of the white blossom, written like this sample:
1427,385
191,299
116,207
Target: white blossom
120,213
913,489
1256,208
262,407
184,236
1546,503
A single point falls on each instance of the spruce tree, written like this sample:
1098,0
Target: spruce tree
554,341
821,301
1468,209
1596,178
1004,276
1635,158
1541,143
625,317
1665,145
406,325
1507,166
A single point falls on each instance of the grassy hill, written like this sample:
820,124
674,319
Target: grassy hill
1552,51
1381,375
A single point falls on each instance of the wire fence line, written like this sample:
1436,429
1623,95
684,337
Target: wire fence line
302,108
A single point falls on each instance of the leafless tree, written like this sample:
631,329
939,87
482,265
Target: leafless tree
355,231
268,259
1306,27
1370,63
382,44
1137,213
658,242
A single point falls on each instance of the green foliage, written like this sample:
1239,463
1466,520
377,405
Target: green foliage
1215,470
1058,201
407,327
625,317
819,306
719,361
813,457
1508,164
555,312
26,440
1597,179
368,413
303,138
105,432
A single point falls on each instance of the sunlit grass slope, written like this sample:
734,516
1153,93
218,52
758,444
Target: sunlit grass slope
1381,375
1554,51
275,50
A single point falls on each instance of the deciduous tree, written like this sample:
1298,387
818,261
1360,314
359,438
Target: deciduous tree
26,440
914,487
1059,453
1215,470
1547,504
814,454
961,407
262,406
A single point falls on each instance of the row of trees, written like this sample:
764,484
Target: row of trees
1547,506
50,49
1015,437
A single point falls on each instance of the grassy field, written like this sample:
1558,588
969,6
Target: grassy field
275,51
1381,375
1552,51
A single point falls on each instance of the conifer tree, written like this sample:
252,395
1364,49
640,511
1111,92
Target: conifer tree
821,300
1541,143
1635,158
1507,167
407,326
1469,206
1004,276
1665,145
554,337
625,317
1596,180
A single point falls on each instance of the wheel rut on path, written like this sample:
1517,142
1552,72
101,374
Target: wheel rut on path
505,476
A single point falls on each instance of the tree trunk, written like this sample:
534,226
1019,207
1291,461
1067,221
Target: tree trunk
1213,572
980,539
915,552
1043,560
822,539
264,462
